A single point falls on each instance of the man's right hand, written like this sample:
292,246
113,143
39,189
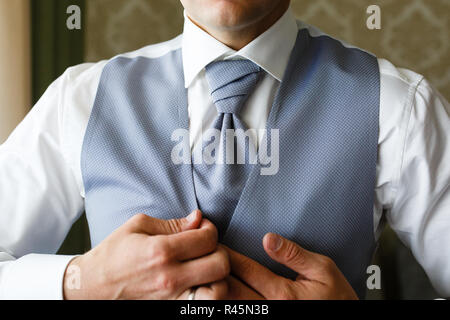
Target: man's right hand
149,258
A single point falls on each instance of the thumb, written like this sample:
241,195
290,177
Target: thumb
291,255
154,226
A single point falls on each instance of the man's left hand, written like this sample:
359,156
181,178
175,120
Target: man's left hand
318,276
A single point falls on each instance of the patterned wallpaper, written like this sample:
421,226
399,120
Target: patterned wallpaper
414,34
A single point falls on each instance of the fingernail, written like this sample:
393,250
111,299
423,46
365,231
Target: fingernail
274,243
192,216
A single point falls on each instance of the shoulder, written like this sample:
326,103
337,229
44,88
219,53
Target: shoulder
396,83
78,85
81,73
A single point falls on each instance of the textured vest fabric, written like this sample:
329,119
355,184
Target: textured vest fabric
327,114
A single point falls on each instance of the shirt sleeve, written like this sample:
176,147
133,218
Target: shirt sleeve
39,201
420,212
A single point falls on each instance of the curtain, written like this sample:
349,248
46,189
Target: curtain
55,48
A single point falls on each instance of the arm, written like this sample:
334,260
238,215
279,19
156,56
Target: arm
420,211
39,201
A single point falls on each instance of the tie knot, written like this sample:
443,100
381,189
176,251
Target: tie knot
230,82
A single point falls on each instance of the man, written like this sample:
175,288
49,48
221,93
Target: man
358,140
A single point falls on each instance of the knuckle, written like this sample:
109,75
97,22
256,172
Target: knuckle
327,264
164,259
287,292
159,251
328,269
166,282
292,253
223,263
174,225
136,217
137,220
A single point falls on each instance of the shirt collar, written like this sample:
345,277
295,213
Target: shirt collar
271,50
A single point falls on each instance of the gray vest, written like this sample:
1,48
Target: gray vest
327,113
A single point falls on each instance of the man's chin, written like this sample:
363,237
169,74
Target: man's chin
230,14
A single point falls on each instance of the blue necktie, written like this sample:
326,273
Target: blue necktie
219,185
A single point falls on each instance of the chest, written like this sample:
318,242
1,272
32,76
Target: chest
321,196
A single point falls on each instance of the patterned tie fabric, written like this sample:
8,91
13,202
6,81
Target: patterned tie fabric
219,183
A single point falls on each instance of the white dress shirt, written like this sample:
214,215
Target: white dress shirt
41,189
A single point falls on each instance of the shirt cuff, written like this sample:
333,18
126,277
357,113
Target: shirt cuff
34,277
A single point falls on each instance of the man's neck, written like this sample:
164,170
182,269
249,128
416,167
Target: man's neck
238,38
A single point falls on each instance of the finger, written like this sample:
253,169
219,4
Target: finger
211,268
258,277
214,291
290,254
184,295
194,243
154,226
237,290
